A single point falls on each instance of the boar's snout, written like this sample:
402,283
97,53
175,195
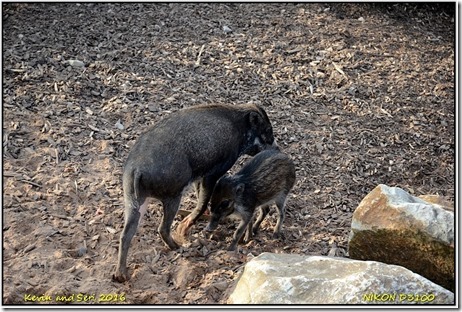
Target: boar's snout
274,146
258,146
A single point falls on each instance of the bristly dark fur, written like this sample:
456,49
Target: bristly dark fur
267,177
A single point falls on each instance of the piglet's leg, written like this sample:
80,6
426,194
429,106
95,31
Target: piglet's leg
246,218
263,212
280,203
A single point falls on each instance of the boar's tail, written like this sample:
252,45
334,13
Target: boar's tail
136,183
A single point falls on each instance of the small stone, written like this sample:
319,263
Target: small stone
81,251
76,63
119,125
332,252
221,286
227,30
153,108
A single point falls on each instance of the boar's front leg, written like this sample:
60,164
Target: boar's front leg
204,190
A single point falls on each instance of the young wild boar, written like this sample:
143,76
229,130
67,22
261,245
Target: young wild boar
197,144
267,177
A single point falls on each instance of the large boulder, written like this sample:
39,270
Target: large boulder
438,200
393,227
294,279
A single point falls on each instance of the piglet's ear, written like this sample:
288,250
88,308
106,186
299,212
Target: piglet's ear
239,189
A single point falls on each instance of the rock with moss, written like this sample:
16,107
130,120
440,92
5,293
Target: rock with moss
318,280
394,227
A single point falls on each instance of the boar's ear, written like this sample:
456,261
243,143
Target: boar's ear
263,113
239,189
255,120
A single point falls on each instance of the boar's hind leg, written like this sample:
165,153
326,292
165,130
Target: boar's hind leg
204,190
170,206
132,219
263,212
280,203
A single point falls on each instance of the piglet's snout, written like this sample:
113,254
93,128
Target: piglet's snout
210,227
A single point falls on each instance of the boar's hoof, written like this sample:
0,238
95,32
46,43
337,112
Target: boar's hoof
187,222
171,243
183,228
173,246
120,278
278,235
231,248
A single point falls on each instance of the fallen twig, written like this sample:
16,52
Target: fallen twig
31,183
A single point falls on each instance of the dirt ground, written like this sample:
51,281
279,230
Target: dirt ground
358,94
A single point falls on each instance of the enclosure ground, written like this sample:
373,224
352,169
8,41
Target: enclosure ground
358,94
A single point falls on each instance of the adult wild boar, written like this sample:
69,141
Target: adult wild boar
194,145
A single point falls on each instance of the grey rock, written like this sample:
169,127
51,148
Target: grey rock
294,279
394,227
